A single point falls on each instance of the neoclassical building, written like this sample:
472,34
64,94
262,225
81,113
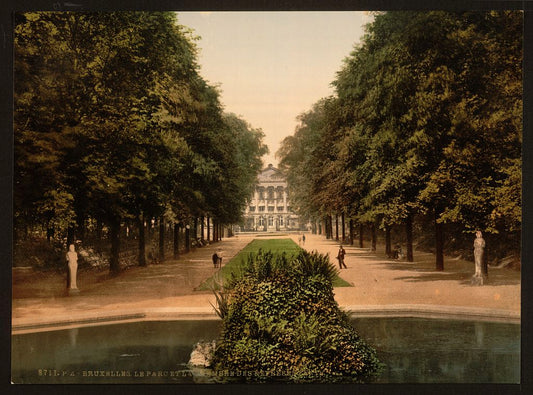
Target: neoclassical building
269,209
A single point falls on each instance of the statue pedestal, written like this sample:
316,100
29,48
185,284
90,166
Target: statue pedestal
477,280
73,291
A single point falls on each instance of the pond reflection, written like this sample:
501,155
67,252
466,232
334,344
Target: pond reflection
414,351
442,351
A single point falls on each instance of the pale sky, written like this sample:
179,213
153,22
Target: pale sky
272,66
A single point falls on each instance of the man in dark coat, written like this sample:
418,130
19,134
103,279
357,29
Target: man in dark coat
340,257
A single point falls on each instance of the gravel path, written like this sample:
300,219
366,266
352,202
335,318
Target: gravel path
380,281
167,291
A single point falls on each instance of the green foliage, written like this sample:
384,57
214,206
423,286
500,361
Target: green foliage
113,122
222,303
315,264
426,118
40,255
282,322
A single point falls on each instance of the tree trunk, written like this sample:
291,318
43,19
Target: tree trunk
49,234
208,230
114,234
15,233
202,229
342,227
485,262
161,239
142,242
374,237
330,222
439,243
70,235
388,247
409,236
195,231
361,230
351,231
80,227
336,227
187,238
176,240
99,230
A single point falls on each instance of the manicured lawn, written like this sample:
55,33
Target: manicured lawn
235,265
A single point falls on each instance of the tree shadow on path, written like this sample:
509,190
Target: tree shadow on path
423,269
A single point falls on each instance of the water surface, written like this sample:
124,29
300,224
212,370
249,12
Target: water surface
414,351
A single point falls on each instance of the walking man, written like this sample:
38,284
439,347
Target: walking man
215,258
340,257
220,256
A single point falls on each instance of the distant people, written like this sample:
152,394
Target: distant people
303,239
299,240
397,252
340,257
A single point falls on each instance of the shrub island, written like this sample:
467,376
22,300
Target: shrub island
281,323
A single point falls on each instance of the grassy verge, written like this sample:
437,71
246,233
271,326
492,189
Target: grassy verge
235,265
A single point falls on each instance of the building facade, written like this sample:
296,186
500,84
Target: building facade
269,209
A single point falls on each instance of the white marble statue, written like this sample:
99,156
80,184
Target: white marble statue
72,259
479,247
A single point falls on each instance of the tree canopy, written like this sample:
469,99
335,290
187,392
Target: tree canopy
426,119
113,120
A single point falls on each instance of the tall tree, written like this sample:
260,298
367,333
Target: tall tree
426,120
114,121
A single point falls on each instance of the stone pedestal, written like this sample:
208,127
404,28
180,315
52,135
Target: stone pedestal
73,291
477,280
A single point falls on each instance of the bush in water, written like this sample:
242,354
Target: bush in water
281,322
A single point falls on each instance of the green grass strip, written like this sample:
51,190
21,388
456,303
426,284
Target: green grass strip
235,264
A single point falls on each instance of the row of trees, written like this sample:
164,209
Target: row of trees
426,122
113,122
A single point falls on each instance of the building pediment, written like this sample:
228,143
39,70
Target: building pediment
270,173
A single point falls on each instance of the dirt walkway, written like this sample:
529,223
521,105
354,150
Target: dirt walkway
378,280
168,290
168,285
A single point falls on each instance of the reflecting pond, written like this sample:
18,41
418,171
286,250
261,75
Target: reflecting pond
414,350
